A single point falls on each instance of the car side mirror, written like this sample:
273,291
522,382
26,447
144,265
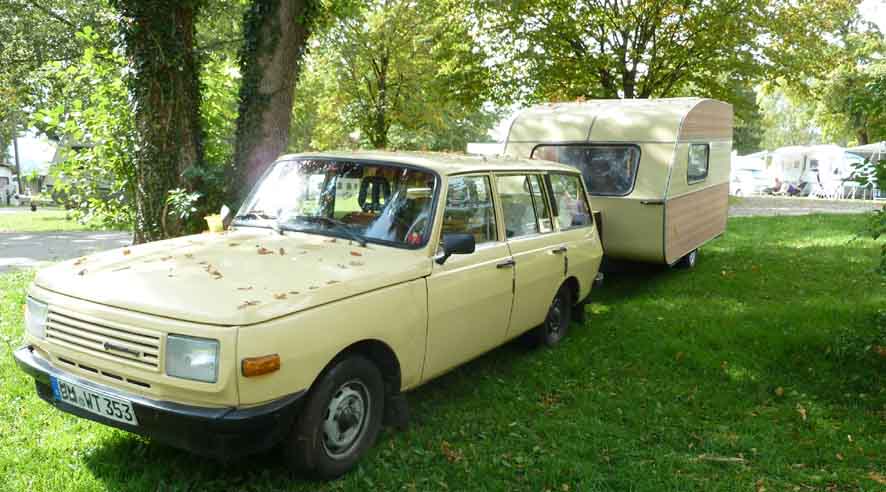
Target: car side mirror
456,244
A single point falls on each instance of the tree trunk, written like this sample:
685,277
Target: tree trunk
276,34
862,134
165,89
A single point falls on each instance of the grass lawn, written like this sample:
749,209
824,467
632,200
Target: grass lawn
752,372
43,220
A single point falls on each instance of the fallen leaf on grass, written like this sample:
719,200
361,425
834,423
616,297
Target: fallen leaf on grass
721,459
247,304
452,454
779,392
877,477
802,411
839,456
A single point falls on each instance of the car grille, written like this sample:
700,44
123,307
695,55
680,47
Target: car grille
135,347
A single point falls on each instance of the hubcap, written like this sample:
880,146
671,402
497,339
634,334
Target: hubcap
555,318
345,419
692,256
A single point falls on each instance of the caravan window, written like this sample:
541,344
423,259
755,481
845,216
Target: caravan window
608,170
697,170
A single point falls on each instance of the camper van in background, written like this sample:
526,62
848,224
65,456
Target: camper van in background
657,169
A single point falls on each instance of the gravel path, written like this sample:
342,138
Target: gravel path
30,249
771,205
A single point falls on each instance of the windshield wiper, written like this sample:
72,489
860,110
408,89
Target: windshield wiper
335,222
258,214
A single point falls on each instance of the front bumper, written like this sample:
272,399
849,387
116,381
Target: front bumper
221,433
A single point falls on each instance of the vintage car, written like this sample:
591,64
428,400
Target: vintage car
343,281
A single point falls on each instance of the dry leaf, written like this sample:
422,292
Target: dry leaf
802,411
840,456
282,252
82,272
166,258
779,392
265,251
245,288
126,251
452,454
189,256
246,304
121,269
877,477
356,263
330,282
80,261
280,296
293,292
313,287
356,253
759,486
342,266
233,244
333,240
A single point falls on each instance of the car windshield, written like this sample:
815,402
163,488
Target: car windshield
360,201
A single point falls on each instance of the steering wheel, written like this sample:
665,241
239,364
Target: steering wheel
422,221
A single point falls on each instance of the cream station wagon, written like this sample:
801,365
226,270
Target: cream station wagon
343,281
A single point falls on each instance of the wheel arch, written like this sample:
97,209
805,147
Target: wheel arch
380,354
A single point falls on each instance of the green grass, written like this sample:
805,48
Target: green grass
754,371
43,220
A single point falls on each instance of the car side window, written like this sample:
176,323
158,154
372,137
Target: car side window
469,208
518,203
572,206
697,168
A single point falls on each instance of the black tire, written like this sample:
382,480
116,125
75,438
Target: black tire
689,260
351,383
556,323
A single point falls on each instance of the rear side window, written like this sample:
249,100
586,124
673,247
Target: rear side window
697,168
520,195
469,208
570,201
608,170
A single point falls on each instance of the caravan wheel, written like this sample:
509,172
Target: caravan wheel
689,260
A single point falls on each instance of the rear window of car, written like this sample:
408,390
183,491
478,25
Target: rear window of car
608,170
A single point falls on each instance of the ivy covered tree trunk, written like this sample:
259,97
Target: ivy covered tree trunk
276,34
165,89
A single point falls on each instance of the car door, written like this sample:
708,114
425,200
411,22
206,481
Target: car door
538,252
469,296
575,223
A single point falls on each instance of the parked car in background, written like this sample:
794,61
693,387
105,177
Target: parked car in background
749,182
346,280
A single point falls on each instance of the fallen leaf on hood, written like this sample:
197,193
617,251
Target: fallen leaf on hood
313,287
264,251
166,258
330,282
214,272
246,304
356,253
80,261
82,272
280,296
282,252
245,288
293,292
233,244
126,251
189,256
342,266
356,263
121,269
333,240
203,263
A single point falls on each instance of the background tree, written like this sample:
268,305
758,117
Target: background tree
401,74
163,82
276,35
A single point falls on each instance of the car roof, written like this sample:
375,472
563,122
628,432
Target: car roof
442,163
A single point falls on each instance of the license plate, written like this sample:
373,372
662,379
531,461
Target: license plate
93,401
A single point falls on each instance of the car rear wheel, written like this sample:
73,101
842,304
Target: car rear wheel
340,420
556,323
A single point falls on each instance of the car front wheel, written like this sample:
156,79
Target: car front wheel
340,420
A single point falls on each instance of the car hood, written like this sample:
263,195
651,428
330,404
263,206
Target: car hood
233,278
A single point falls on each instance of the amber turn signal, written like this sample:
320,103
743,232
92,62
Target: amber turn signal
256,366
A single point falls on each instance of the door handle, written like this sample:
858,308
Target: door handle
561,249
506,264
652,202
